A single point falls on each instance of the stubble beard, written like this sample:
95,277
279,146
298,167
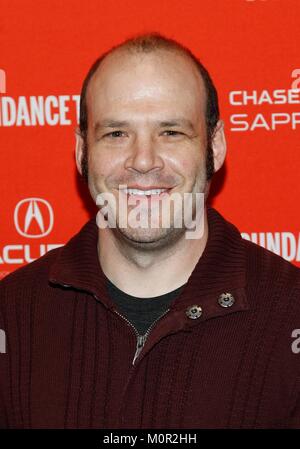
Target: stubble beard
156,238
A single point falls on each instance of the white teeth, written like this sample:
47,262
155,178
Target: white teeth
144,192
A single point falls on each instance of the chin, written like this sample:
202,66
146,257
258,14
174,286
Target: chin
150,239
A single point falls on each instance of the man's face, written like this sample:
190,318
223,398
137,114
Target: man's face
146,130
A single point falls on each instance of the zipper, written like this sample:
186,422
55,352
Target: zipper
140,339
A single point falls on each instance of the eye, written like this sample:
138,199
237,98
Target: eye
171,132
114,134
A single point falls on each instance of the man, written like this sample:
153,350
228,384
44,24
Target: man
142,327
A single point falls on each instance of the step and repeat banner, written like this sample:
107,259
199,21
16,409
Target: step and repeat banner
251,49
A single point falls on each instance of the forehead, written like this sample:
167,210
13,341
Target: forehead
147,82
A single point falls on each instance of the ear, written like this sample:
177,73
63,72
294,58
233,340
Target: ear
219,145
78,149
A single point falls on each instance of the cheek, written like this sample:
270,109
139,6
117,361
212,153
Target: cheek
191,166
187,168
105,170
100,163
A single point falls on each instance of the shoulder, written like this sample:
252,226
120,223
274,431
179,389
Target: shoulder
30,275
265,266
273,292
261,267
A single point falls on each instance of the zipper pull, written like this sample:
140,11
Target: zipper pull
139,346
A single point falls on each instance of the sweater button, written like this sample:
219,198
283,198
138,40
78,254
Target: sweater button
226,300
193,312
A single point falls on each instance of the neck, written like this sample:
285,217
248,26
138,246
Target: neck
147,273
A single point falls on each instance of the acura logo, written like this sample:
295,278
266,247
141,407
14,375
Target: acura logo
33,218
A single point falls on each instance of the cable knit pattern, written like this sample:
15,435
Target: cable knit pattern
68,360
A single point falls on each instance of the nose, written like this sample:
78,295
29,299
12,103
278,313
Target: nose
144,156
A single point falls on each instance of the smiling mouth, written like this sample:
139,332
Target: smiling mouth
145,193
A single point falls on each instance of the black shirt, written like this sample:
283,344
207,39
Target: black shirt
141,312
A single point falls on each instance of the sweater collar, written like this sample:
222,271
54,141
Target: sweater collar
220,269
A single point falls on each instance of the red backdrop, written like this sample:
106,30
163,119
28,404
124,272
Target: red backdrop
251,48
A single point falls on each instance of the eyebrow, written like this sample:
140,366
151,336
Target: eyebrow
110,123
177,122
